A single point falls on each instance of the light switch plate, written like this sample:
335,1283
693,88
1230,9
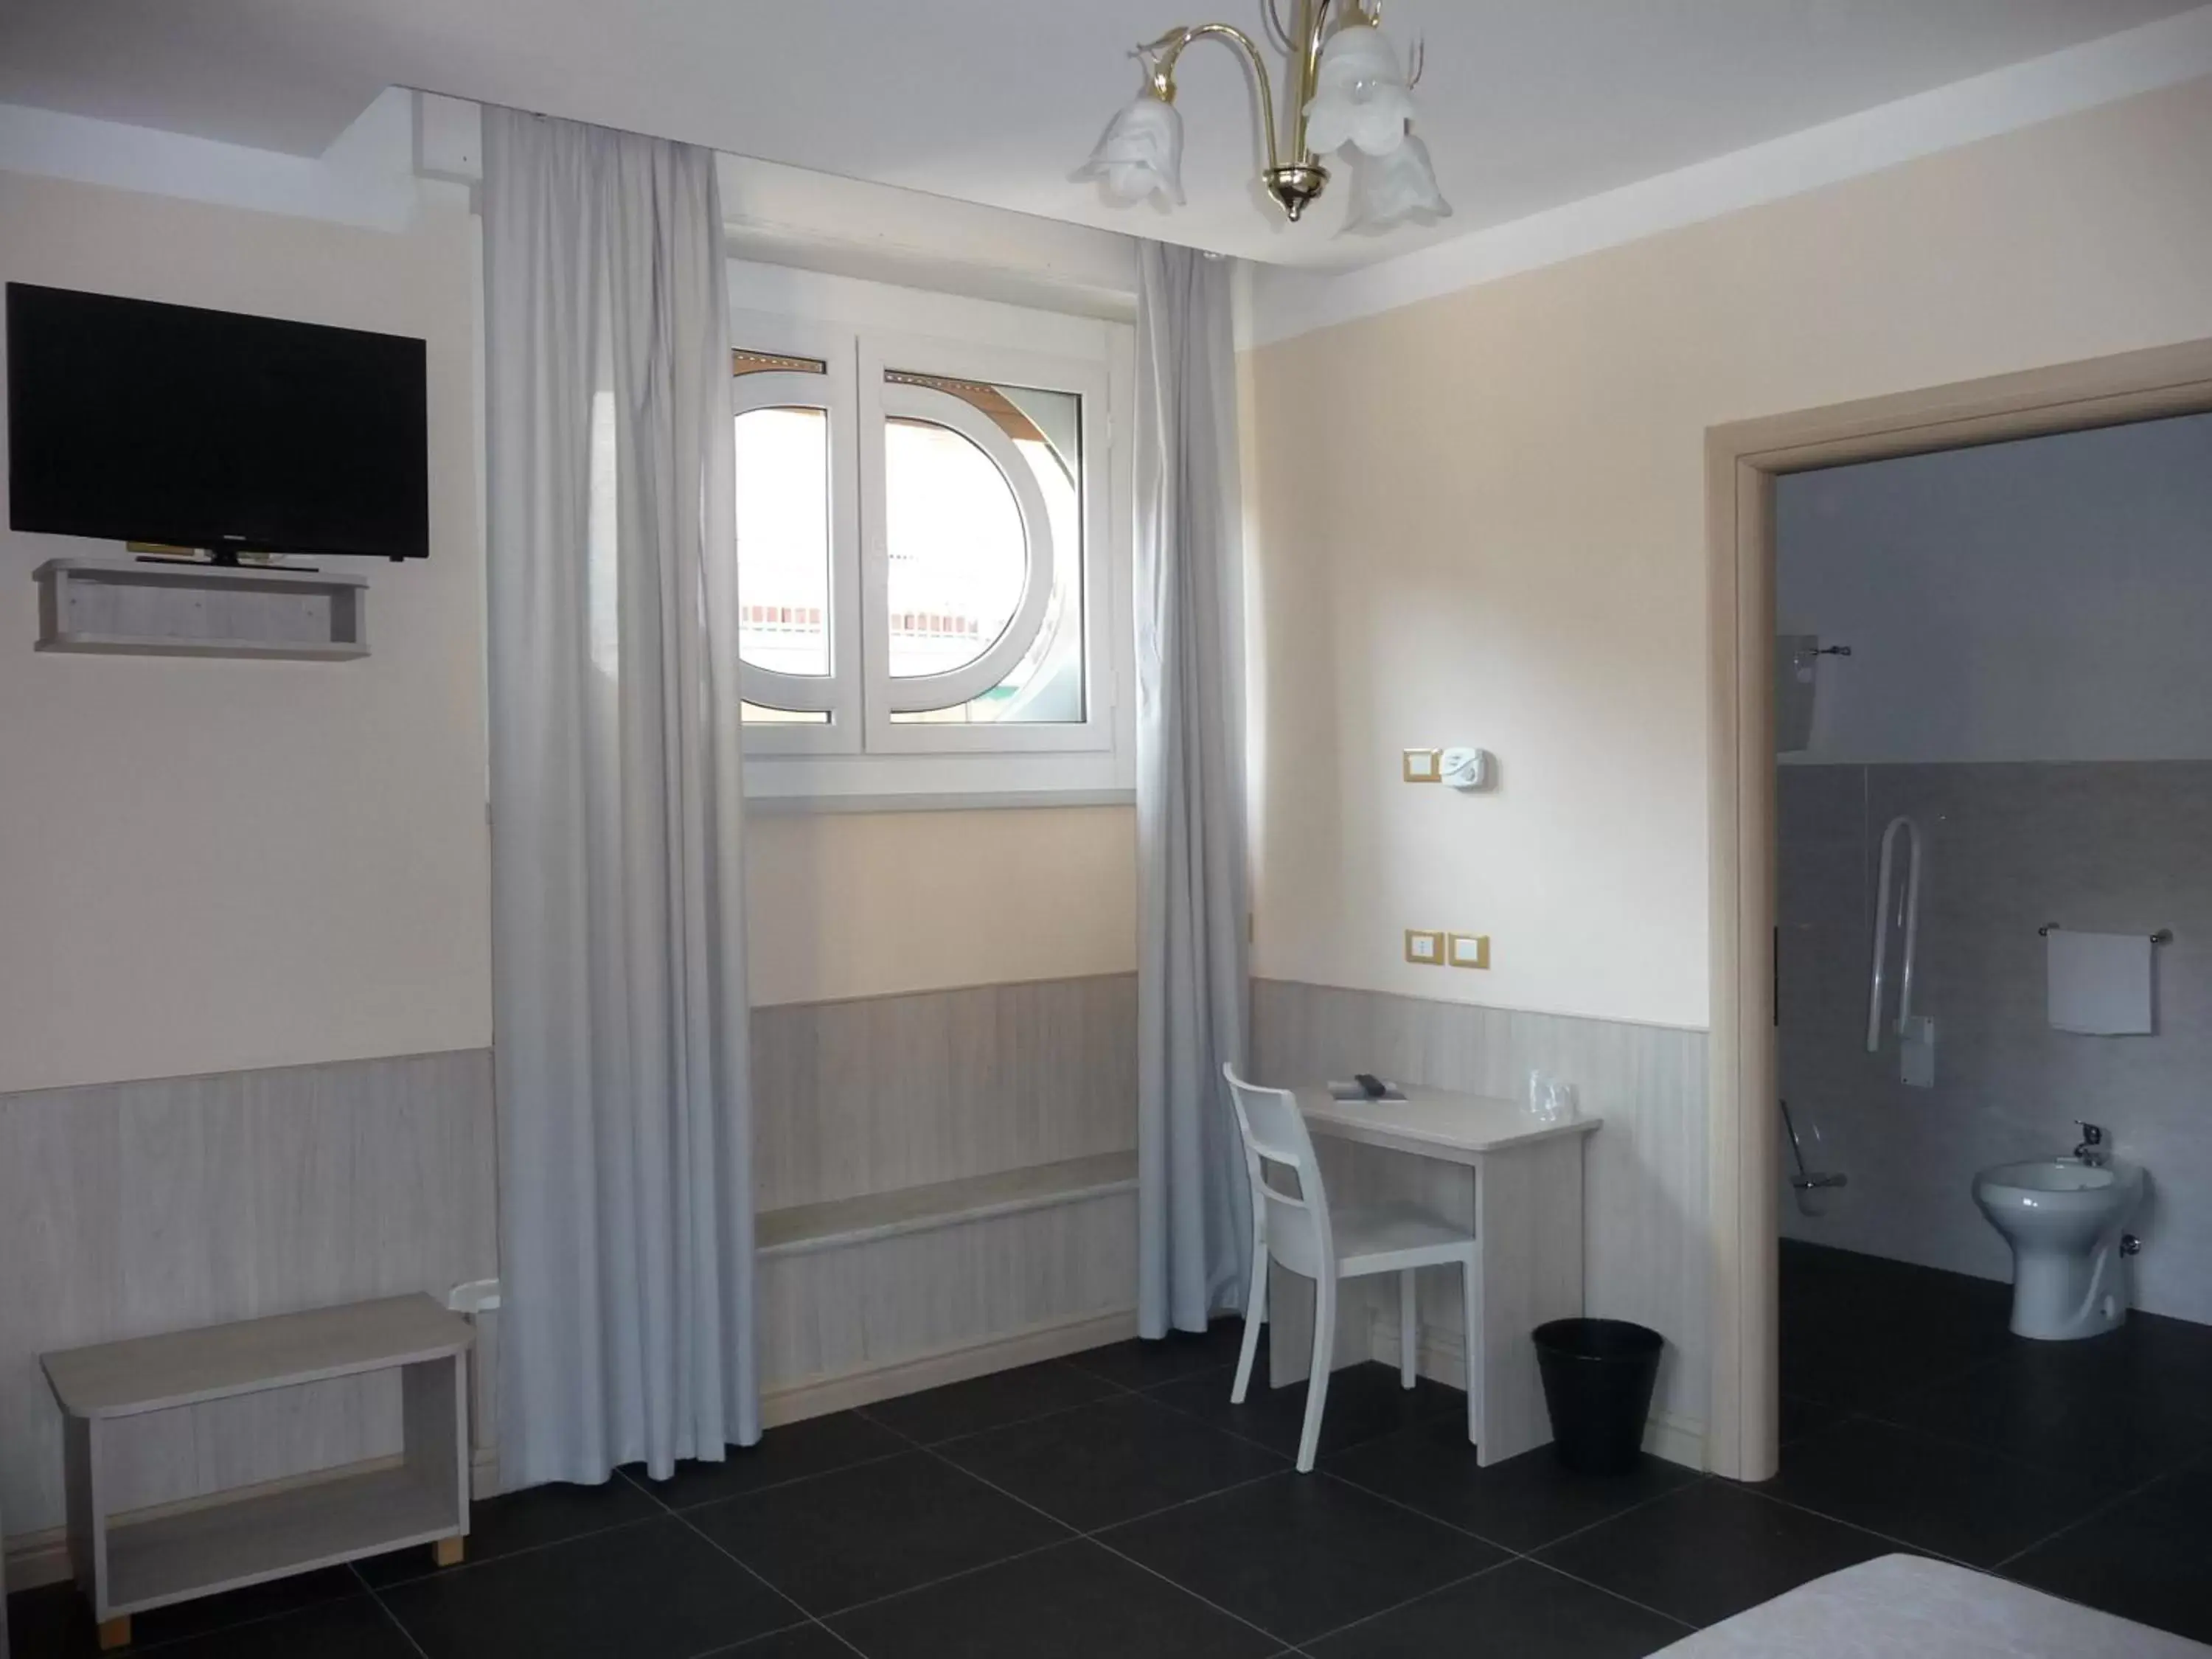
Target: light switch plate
1426,949
1422,765
1468,950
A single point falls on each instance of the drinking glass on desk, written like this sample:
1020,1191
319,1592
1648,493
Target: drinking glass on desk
1563,1102
1539,1095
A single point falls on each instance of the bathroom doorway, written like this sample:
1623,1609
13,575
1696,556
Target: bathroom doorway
1744,1132
2082,1467
1993,720
1880,1391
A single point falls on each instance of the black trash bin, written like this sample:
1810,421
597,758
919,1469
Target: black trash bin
1598,1375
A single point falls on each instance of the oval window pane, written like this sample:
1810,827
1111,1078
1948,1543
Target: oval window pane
783,539
958,554
1047,686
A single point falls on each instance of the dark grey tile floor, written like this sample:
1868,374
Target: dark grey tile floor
1116,1503
2082,1468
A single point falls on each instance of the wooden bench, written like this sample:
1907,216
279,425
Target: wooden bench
127,1567
868,1297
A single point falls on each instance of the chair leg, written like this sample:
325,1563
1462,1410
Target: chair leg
1256,1315
1324,1350
1470,1277
1409,1342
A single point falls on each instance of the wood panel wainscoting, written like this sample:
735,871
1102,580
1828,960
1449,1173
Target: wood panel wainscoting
876,1312
1742,460
132,1208
947,1185
946,1179
879,1094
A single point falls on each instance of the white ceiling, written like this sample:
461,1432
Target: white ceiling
1527,104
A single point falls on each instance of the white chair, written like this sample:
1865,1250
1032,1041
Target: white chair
1298,1230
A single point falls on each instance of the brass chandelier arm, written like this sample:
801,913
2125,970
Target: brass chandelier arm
1162,55
1297,182
1313,27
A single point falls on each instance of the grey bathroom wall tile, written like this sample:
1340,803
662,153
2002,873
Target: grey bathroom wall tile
1819,804
1823,883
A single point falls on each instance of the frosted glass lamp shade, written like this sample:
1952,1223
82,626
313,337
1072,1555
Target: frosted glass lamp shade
1360,93
1397,189
1141,153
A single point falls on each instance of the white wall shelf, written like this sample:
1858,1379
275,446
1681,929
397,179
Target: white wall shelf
120,607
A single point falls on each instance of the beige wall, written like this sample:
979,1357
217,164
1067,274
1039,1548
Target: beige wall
1506,543
207,865
210,866
869,904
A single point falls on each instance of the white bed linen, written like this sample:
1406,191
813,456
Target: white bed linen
1905,1605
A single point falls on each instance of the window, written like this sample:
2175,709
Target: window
786,410
925,565
983,552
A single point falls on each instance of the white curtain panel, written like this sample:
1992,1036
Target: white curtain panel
618,922
1194,1238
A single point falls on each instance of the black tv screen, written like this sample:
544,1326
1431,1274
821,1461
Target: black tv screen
130,421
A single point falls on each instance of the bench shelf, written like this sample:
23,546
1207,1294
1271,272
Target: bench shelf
126,1565
841,1222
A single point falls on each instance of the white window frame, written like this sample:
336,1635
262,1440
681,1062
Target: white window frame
833,392
952,688
863,760
998,367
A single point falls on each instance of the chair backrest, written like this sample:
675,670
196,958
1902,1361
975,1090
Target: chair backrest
1293,1226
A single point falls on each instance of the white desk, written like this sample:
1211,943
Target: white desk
1491,1164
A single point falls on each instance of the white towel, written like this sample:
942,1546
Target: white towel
2101,982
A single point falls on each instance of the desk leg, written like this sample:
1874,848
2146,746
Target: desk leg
1528,1202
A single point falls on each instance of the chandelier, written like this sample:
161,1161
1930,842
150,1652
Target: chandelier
1351,95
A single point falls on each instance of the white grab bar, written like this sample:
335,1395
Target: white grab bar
1911,919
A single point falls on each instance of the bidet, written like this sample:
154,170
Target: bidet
2064,1218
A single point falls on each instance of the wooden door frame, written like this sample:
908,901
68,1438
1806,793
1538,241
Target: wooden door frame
1743,461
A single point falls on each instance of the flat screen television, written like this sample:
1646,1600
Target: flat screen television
130,421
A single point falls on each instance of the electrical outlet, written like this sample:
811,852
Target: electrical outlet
1426,948
1468,950
478,1296
1421,765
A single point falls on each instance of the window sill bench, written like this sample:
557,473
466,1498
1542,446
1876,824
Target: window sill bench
848,1221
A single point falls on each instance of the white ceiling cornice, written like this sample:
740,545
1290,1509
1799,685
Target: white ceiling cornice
786,216
366,178
1287,302
1527,106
